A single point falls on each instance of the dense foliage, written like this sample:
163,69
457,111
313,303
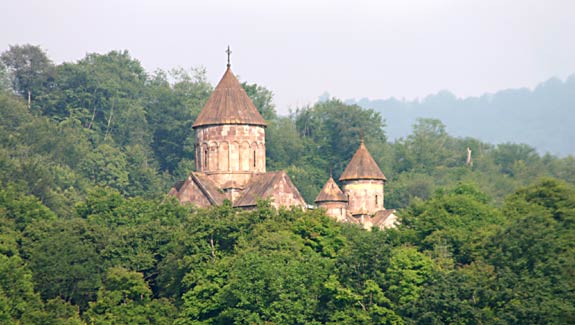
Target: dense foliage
87,236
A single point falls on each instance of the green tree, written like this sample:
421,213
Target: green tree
125,298
29,67
171,108
512,157
461,296
107,166
60,312
335,129
5,84
284,146
534,255
104,91
17,298
426,148
64,255
22,210
454,223
262,99
408,272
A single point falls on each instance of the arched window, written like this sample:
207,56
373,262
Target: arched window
254,159
376,200
206,159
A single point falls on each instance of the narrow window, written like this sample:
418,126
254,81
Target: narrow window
206,159
254,159
376,200
340,211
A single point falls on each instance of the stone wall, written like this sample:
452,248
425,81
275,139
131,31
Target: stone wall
284,194
364,196
230,154
336,210
192,194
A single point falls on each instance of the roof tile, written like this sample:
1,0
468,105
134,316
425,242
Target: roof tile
331,192
229,104
362,166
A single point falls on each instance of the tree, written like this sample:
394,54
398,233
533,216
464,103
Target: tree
426,147
334,129
107,166
284,146
104,91
18,301
60,312
511,158
29,67
75,275
259,266
408,272
534,255
22,210
5,83
460,296
454,223
171,109
125,298
262,99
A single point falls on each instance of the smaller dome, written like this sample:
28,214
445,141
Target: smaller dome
362,166
330,193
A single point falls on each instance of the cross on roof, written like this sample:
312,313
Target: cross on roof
228,51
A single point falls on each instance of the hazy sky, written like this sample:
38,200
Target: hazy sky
302,48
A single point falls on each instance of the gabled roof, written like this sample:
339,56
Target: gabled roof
268,185
382,215
229,104
198,189
330,193
209,188
384,219
259,187
362,166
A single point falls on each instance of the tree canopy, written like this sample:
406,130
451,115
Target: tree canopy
89,149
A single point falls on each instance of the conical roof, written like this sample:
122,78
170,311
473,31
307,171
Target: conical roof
229,104
330,192
362,166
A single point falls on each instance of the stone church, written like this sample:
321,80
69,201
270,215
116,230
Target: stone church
231,165
361,200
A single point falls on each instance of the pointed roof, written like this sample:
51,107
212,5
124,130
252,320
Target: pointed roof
362,166
273,185
384,218
330,192
229,104
199,189
209,188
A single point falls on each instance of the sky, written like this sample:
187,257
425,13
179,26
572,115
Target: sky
300,49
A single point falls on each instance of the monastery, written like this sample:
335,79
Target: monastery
231,165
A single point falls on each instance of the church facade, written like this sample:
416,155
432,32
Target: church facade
230,161
231,155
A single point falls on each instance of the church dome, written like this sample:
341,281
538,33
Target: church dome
362,166
330,193
229,104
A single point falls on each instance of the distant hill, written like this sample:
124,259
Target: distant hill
543,117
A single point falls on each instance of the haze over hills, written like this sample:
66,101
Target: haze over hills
542,117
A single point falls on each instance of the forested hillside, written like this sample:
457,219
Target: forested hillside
87,235
541,117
